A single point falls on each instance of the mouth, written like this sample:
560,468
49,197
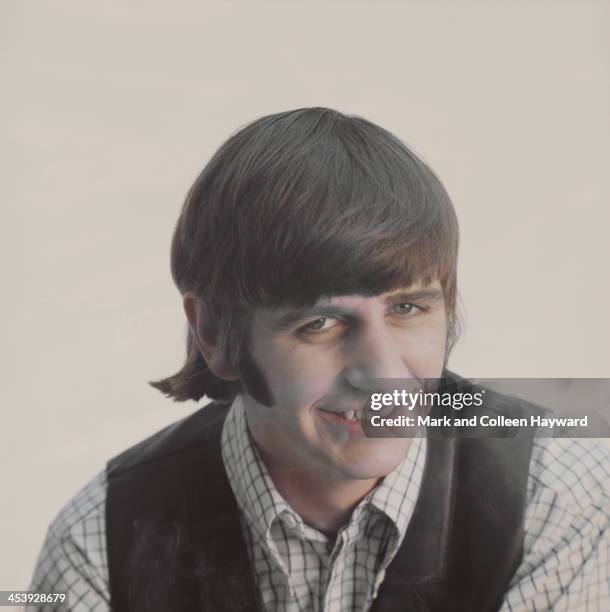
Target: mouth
347,419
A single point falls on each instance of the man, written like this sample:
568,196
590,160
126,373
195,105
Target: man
316,256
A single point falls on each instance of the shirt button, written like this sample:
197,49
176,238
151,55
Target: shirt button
290,521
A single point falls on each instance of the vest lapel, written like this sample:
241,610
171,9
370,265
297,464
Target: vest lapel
223,569
422,558
465,540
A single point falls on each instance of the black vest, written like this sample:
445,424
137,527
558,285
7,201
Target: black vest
175,541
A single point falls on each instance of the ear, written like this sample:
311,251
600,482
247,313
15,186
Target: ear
196,314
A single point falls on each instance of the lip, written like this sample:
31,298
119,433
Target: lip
335,418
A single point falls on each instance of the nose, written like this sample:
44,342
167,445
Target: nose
375,357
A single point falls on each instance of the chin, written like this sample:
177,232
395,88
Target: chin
376,465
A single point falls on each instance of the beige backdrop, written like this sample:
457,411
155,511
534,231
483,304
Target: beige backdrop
113,108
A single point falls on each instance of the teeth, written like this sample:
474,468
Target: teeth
350,415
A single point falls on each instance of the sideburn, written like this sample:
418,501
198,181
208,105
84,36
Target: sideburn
253,380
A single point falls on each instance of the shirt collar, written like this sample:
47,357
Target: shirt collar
397,494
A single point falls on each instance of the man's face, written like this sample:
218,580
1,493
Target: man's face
319,361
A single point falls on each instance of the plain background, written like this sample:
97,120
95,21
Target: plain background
111,110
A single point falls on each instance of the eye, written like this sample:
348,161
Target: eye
405,309
318,326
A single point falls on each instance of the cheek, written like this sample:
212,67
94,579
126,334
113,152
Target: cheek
424,350
300,377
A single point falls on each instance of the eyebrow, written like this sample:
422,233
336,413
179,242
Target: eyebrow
288,318
418,295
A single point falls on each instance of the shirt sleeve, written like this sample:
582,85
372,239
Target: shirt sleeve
73,556
566,562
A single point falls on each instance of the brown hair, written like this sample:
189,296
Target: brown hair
300,205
